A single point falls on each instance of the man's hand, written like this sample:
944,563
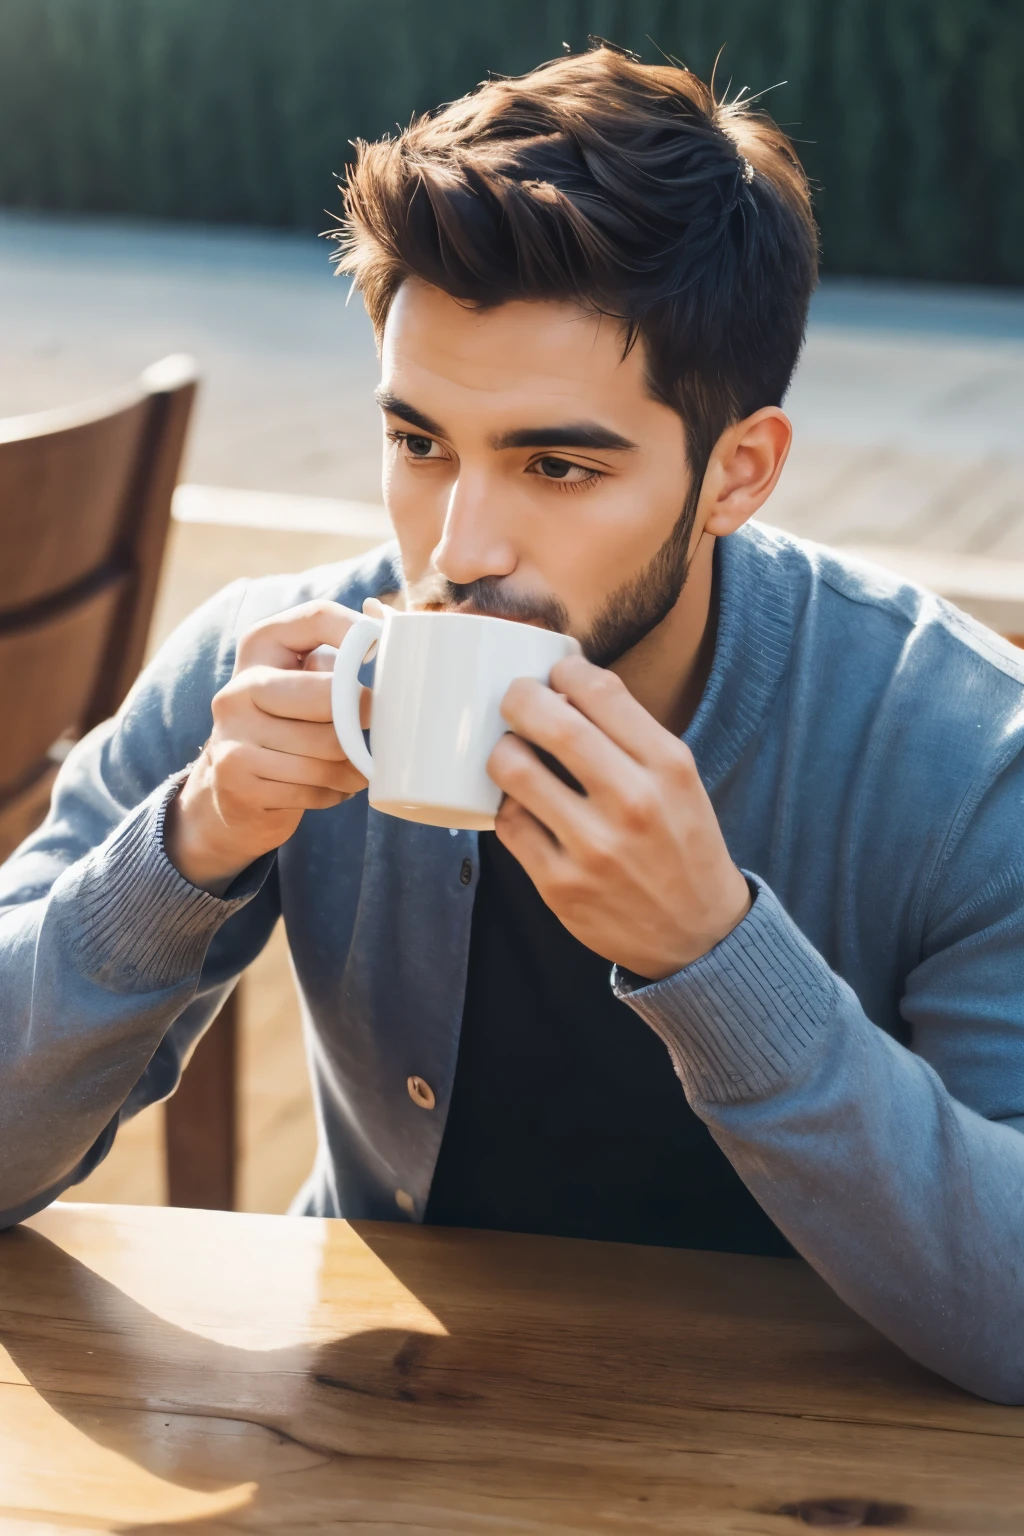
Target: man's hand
272,753
636,868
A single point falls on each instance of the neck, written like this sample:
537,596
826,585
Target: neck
667,671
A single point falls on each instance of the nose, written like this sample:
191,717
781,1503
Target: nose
476,540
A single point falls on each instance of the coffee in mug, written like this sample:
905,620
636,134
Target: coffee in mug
439,682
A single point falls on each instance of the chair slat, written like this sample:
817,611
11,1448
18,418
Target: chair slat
48,672
85,504
64,500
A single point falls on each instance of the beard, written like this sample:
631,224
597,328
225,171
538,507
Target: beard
632,611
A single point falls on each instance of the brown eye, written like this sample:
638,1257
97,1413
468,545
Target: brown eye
567,475
554,469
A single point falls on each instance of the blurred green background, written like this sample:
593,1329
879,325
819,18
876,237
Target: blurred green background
909,114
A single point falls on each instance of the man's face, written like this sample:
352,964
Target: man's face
527,469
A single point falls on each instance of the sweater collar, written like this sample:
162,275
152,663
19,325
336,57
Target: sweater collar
761,578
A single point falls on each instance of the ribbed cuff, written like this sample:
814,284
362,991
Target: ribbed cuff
739,1021
135,924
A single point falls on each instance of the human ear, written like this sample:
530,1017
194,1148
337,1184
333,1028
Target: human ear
744,469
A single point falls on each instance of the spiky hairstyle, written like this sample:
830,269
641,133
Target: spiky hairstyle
625,187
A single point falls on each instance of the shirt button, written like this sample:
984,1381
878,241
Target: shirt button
466,872
420,1092
404,1202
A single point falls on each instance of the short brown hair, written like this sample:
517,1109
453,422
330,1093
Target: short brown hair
624,186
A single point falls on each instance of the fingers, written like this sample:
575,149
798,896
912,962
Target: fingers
527,841
604,698
283,640
288,695
244,760
320,660
300,797
289,768
273,752
516,768
549,721
299,737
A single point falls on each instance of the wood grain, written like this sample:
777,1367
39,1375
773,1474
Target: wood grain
250,1373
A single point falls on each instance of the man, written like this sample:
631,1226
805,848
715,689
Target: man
742,965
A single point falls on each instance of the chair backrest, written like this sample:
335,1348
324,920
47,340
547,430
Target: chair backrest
85,501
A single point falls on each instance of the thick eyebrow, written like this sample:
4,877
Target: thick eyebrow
396,407
577,434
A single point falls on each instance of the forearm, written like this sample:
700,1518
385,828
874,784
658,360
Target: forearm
112,961
96,979
910,1205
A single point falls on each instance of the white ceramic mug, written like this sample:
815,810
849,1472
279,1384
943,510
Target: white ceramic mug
438,685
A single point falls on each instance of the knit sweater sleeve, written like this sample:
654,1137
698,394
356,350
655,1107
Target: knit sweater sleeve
111,964
898,1172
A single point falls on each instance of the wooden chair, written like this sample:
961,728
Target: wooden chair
85,503
201,1119
85,497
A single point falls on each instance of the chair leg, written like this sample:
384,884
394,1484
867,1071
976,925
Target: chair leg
200,1136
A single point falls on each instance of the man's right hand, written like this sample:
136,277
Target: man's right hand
272,754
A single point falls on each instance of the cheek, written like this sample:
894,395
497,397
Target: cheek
416,504
604,539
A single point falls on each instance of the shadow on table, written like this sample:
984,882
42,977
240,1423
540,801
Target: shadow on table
533,1404
207,1416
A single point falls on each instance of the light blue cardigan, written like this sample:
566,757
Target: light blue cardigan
856,1045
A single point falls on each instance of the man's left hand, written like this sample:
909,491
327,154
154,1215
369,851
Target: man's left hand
636,868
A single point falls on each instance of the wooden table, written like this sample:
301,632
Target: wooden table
169,1371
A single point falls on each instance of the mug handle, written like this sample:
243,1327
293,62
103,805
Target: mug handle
346,691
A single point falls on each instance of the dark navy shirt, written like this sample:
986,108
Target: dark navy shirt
567,1117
